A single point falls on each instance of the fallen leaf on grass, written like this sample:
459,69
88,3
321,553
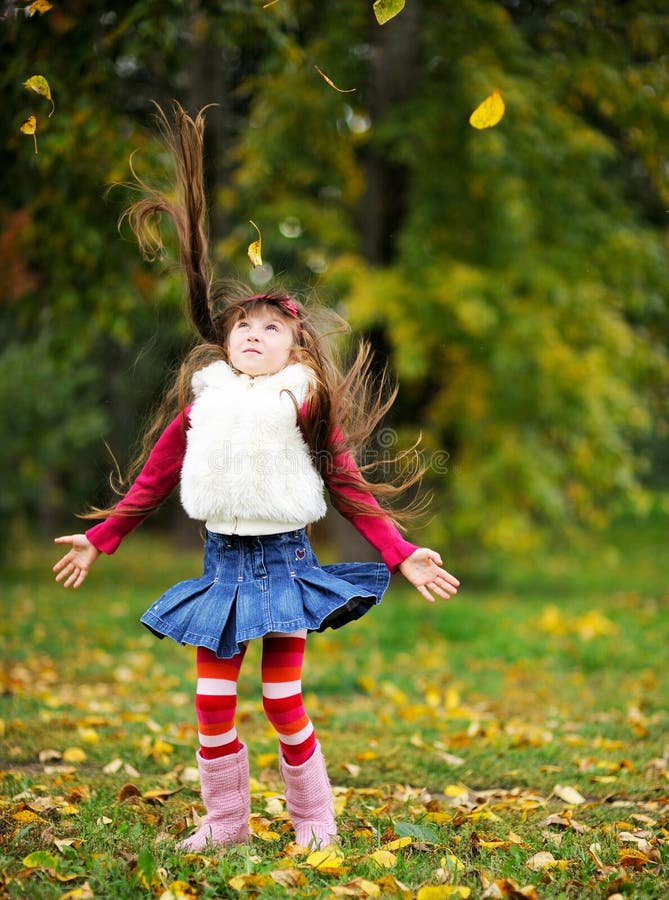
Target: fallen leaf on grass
566,820
390,885
637,859
544,859
26,817
506,887
74,755
358,887
178,890
442,891
398,843
288,878
568,794
383,858
248,882
159,795
83,892
40,859
262,828
329,861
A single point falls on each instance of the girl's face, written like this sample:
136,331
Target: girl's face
261,343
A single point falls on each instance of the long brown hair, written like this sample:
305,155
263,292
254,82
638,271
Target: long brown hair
349,399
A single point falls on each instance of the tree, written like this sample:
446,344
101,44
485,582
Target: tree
514,276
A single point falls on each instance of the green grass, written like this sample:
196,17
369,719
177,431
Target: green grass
453,724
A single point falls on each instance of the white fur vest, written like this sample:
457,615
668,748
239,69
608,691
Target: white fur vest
247,468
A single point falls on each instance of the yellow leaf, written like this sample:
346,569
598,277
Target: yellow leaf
74,755
385,10
25,817
332,84
178,890
390,885
397,844
568,794
455,790
325,861
40,85
84,892
541,860
39,6
40,859
440,891
89,735
489,112
288,878
255,255
247,882
451,862
384,858
359,887
635,859
30,127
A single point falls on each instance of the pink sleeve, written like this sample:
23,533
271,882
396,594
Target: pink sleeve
158,478
379,531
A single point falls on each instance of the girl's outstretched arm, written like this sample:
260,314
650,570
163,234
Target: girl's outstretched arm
423,569
74,566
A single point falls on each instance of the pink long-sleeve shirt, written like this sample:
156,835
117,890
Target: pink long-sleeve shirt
161,474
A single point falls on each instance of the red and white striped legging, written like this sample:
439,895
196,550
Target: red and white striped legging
281,671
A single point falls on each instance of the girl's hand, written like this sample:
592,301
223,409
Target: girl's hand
423,569
74,565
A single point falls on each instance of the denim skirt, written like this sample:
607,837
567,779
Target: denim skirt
252,586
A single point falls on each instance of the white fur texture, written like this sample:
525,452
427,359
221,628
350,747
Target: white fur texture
246,458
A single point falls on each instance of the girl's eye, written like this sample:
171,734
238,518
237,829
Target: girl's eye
272,327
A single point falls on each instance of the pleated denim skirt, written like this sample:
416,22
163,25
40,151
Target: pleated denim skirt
252,586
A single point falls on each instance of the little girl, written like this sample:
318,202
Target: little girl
271,421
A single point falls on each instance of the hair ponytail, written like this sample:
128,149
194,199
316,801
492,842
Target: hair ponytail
184,140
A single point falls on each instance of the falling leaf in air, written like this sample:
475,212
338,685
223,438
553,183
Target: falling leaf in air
489,112
40,85
30,127
39,6
332,84
255,248
385,10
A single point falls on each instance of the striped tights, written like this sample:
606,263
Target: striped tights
281,672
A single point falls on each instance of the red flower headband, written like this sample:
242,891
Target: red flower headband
289,306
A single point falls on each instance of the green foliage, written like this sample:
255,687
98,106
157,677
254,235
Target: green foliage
516,276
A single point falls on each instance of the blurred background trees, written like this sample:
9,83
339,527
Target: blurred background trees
515,278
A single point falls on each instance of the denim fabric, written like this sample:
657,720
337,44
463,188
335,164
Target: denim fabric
255,585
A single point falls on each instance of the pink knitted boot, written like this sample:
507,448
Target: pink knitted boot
225,793
309,801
